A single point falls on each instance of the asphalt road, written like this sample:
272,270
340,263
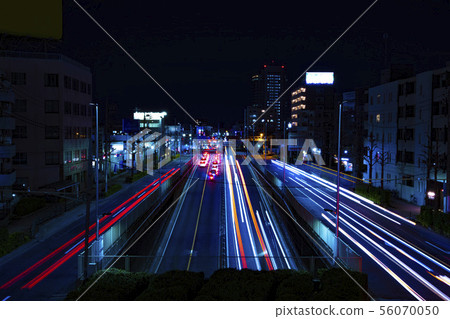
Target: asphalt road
222,222
404,261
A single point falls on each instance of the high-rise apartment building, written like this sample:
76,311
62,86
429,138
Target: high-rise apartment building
267,86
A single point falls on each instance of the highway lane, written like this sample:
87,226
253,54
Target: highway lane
254,239
395,244
191,241
50,267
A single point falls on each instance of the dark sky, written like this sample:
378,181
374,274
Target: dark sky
204,55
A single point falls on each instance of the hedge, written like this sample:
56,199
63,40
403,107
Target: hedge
112,189
224,284
377,195
9,242
135,177
434,219
28,205
115,284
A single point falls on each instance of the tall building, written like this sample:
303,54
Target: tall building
408,120
7,147
313,113
53,118
267,86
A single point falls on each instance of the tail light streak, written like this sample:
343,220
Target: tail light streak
71,252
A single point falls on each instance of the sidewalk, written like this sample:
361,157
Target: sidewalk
404,208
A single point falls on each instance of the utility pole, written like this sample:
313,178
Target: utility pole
284,151
86,235
338,181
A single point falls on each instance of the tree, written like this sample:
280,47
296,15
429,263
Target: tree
370,154
382,158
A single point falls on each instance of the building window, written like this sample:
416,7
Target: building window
83,87
67,108
409,157
378,118
76,109
410,87
76,156
20,105
20,131
20,159
83,154
51,80
51,132
51,158
410,111
67,82
83,109
75,85
67,157
408,180
89,89
51,106
68,132
18,78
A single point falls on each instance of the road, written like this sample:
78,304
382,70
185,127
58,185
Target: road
49,268
222,222
404,261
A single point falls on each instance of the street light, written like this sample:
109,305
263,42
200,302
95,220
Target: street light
96,176
338,178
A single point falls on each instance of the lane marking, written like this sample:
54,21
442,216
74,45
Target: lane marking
74,246
235,217
6,298
255,223
444,251
198,218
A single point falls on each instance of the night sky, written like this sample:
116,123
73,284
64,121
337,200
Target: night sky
204,55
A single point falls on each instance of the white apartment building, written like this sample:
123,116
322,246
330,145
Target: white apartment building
412,115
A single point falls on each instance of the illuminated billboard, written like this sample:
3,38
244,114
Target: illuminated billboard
319,77
38,19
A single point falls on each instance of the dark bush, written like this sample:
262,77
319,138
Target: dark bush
337,286
115,284
297,286
9,242
243,285
434,219
174,285
28,205
375,194
112,189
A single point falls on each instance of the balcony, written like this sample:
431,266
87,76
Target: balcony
7,150
7,178
7,123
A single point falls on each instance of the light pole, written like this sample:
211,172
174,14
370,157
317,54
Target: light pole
338,179
96,176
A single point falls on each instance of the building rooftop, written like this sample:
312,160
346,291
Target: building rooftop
43,56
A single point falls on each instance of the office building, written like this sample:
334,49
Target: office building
313,113
7,147
267,86
53,119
